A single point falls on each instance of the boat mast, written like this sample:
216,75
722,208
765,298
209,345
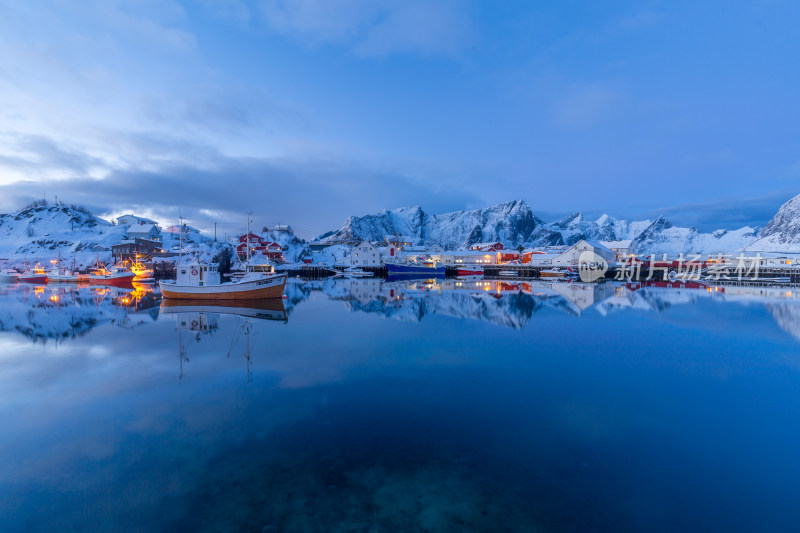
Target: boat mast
249,214
180,240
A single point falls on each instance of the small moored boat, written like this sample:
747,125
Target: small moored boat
353,272
117,276
35,275
9,275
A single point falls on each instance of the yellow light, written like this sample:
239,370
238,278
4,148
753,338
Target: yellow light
54,298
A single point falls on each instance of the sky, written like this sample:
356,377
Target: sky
308,111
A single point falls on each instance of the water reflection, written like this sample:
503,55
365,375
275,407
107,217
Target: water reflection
486,406
42,312
514,303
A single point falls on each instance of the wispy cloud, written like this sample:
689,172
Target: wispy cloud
314,195
727,213
586,104
375,27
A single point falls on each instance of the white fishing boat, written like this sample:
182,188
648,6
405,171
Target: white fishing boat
353,272
508,273
201,281
9,275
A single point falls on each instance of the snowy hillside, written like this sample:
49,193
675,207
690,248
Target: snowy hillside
662,237
782,233
514,224
40,233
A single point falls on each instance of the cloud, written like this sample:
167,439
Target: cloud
374,27
312,195
587,104
727,213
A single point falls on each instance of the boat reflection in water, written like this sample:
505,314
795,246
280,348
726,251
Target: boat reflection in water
266,309
202,317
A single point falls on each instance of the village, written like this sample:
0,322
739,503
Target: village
143,245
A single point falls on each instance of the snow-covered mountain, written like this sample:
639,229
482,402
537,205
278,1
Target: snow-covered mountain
514,224
39,233
662,237
782,233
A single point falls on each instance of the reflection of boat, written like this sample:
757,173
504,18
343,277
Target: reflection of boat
476,270
404,269
266,309
9,275
411,277
508,273
202,282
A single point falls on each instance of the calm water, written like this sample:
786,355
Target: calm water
371,406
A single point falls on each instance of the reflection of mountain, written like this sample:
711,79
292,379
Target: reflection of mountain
67,311
509,304
513,303
787,315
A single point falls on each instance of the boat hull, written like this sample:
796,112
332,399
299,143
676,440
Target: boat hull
470,272
33,279
260,289
398,269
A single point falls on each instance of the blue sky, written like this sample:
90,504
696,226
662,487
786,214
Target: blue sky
307,111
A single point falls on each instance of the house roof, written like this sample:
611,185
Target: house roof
617,244
145,228
141,219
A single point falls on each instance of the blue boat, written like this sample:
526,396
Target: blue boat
405,269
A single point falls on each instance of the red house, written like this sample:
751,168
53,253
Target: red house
487,246
258,246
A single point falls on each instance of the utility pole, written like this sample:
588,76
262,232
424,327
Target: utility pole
215,232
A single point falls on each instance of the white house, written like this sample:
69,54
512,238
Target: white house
365,254
389,254
144,231
469,257
621,249
133,220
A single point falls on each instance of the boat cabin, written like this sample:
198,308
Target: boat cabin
197,275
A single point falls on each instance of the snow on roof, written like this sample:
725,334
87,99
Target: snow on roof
468,252
617,244
140,219
535,258
145,228
596,244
